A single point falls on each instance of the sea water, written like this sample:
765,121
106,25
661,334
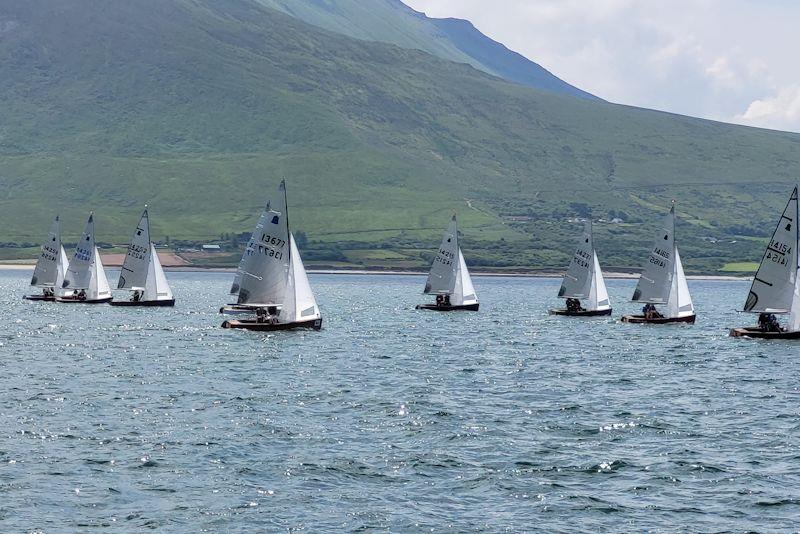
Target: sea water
391,418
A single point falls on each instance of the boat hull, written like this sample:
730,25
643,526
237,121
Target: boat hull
254,324
640,319
75,300
151,303
434,307
581,313
39,297
758,333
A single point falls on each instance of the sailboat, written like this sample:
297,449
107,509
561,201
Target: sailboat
142,272
272,282
584,281
776,285
50,267
85,275
449,278
663,282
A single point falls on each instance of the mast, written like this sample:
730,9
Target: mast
286,215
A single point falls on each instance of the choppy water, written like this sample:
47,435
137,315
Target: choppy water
391,418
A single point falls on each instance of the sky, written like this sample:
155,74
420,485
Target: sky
728,60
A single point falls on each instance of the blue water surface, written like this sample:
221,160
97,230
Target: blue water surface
394,419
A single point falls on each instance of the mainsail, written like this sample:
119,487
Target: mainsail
262,221
299,303
265,265
46,272
656,279
578,278
774,284
442,277
79,274
134,268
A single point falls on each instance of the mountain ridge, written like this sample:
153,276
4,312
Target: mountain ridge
394,22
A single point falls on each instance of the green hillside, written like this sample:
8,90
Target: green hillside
200,107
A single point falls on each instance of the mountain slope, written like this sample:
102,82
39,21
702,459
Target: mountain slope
199,108
393,22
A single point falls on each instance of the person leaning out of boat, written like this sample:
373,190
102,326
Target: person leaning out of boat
769,323
574,305
49,292
443,300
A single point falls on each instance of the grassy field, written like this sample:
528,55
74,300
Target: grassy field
740,267
199,108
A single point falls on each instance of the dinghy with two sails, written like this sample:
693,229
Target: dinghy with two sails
449,277
85,275
776,285
50,267
271,282
142,273
584,281
663,281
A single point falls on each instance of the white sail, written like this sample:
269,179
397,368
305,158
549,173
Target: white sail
299,303
262,221
79,274
680,301
265,265
655,281
45,273
98,288
598,294
156,286
63,265
464,292
442,277
133,274
774,284
577,281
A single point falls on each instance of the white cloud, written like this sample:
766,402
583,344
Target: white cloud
707,58
780,111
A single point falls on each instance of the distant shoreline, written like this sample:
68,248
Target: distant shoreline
495,274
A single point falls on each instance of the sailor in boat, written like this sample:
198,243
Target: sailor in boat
267,315
574,305
49,292
82,294
651,312
137,296
769,323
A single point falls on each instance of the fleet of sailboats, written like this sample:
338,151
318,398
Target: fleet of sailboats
663,281
584,281
142,273
776,285
449,277
271,282
273,292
